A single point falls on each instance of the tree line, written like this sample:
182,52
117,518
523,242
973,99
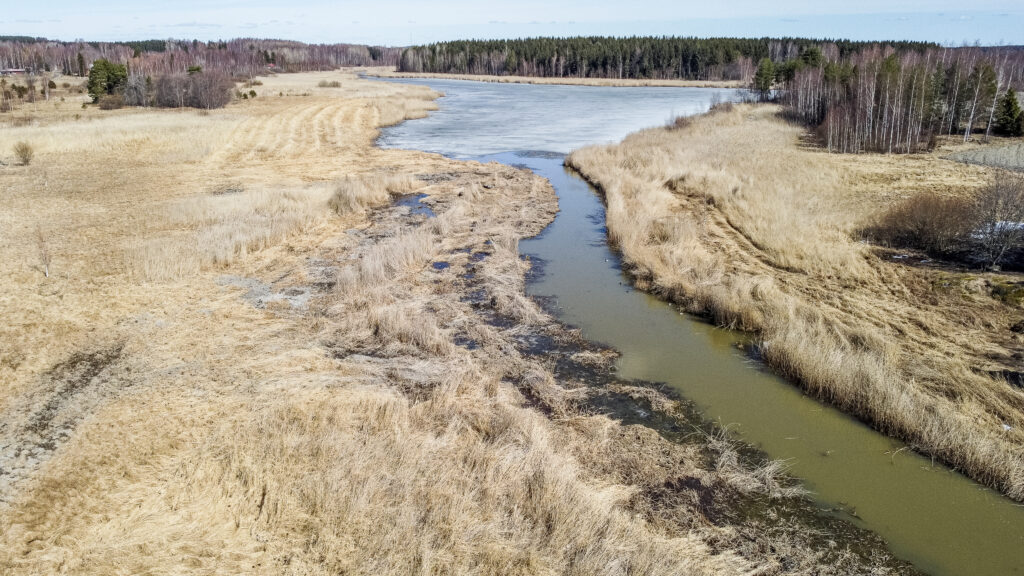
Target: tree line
238,57
885,100
634,57
111,86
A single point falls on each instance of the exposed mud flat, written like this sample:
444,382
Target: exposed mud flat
33,429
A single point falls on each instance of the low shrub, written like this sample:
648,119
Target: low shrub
111,102
935,224
986,230
721,107
24,152
330,84
680,122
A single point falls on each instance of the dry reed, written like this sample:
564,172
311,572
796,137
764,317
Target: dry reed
730,216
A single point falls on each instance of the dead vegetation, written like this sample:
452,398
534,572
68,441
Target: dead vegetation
984,230
355,194
1010,156
732,217
23,152
243,361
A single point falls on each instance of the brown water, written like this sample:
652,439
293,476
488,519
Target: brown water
937,519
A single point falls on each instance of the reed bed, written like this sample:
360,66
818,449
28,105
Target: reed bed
731,216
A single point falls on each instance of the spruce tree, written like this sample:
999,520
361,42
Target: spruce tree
1009,116
106,78
763,79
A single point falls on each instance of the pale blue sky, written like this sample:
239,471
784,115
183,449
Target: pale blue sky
402,22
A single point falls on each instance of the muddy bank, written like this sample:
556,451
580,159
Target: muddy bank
692,239
685,477
766,508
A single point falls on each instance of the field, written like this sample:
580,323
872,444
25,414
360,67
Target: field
735,216
226,351
386,72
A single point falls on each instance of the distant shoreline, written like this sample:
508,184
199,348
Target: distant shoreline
384,72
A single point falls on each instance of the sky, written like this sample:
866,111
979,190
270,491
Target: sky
406,22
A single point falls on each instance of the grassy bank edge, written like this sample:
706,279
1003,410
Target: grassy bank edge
987,465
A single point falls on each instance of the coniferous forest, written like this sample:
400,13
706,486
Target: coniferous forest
636,57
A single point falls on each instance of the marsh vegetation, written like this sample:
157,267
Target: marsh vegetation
729,216
235,354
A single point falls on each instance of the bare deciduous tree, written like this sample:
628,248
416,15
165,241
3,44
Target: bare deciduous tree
135,91
1000,217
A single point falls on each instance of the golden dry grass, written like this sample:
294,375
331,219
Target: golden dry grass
734,217
389,72
224,374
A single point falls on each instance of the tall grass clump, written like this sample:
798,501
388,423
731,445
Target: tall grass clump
357,193
24,152
218,230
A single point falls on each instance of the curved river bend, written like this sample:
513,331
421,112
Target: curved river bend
937,519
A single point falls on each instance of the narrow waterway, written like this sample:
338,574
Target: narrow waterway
942,522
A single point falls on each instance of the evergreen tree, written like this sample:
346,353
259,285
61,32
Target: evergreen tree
106,78
1009,117
811,56
763,79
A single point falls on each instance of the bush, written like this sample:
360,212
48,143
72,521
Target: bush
987,230
680,122
197,90
721,107
935,224
111,102
24,152
210,90
331,84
